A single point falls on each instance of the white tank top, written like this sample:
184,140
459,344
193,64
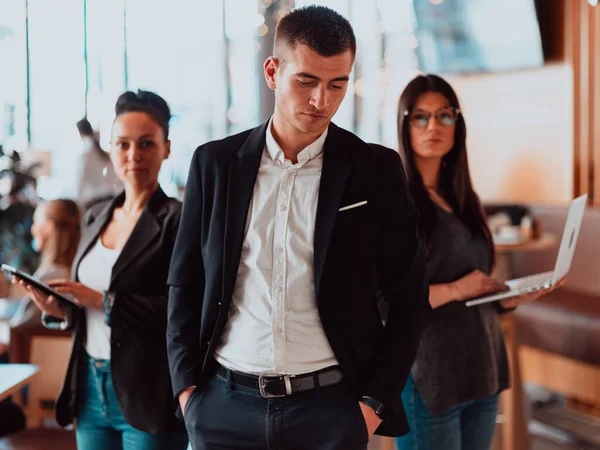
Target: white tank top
95,271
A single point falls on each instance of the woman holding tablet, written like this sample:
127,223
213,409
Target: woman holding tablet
117,385
451,397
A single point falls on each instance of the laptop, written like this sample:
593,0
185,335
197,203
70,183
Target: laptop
545,280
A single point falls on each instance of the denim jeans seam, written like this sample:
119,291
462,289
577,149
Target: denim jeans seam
99,391
414,424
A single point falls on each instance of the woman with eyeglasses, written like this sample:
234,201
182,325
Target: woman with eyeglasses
451,396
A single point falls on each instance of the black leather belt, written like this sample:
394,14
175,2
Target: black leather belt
273,386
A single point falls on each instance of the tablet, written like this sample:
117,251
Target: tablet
34,282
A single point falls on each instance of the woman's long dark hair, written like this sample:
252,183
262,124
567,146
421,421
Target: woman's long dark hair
454,179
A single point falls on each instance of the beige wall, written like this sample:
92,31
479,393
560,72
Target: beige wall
520,133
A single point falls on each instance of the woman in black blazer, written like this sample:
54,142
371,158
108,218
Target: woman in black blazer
117,385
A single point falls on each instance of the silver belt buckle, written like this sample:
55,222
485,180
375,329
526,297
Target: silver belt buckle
286,380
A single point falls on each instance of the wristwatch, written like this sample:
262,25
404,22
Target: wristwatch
383,412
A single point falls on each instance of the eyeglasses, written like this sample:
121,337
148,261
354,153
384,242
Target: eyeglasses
446,117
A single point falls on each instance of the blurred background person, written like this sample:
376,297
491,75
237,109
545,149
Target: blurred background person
95,175
56,231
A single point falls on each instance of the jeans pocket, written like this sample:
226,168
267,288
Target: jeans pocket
189,403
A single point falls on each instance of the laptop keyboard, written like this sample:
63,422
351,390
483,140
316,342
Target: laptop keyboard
533,282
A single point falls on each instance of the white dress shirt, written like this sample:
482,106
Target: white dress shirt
274,325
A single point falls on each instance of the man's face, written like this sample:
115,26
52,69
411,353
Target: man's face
308,87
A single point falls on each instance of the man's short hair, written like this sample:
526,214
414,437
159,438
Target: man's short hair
321,29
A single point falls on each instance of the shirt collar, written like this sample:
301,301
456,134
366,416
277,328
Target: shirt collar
308,153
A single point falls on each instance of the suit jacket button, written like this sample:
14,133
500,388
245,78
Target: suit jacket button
118,344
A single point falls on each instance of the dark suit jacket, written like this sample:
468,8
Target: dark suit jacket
355,252
138,317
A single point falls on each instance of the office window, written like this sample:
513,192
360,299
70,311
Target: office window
242,22
105,51
57,85
177,50
399,63
13,73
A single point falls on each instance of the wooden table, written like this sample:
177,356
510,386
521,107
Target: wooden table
514,434
13,377
8,307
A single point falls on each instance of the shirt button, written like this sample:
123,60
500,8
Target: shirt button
280,249
283,207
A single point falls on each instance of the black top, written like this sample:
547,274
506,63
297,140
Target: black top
462,356
355,250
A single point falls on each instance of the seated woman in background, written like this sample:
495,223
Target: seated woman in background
117,385
451,397
56,231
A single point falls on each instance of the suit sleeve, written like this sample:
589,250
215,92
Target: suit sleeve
403,284
186,288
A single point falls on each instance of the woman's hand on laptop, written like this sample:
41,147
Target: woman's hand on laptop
513,302
474,285
47,304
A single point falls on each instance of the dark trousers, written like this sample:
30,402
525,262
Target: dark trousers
226,417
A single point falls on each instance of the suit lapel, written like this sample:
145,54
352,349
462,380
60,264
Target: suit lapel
145,231
92,231
336,169
240,186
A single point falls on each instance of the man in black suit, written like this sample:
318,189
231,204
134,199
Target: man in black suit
287,232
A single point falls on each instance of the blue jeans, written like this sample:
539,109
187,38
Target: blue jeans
468,426
100,422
